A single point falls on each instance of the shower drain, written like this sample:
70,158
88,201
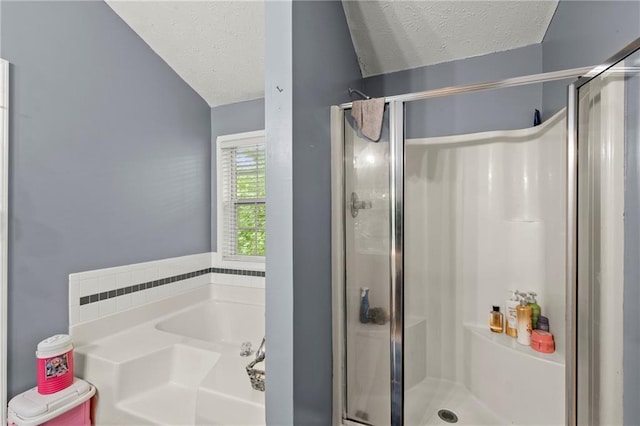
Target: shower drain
448,416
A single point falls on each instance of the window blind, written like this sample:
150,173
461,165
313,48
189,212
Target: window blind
244,195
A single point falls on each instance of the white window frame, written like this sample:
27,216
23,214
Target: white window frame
226,141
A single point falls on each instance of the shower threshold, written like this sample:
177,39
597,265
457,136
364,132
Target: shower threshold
427,398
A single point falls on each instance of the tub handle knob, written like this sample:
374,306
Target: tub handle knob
245,349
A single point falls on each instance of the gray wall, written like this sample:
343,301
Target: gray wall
632,252
502,109
279,280
584,33
225,120
581,33
109,161
310,63
324,67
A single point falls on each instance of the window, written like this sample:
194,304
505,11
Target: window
241,165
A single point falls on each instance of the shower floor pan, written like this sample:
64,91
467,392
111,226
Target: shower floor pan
427,398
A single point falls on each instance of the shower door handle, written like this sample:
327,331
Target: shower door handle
356,204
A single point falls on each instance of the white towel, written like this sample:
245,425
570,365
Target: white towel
368,116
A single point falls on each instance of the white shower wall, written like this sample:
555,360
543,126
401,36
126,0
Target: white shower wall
485,213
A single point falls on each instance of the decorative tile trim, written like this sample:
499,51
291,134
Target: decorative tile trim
98,297
237,272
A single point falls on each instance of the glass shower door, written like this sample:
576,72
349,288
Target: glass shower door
367,270
608,244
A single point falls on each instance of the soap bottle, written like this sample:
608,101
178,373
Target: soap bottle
496,320
364,305
535,309
511,318
543,323
524,321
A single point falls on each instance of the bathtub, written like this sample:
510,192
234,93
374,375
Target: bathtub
180,368
217,321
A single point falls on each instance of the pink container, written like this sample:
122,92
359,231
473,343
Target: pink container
55,364
542,341
79,416
69,407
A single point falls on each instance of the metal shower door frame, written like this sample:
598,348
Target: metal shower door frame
4,239
396,224
397,105
396,259
574,399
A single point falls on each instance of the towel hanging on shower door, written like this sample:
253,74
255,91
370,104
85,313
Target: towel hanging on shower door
368,116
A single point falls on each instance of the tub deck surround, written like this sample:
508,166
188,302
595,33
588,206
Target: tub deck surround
159,372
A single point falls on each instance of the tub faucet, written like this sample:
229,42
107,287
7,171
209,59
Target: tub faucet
257,376
261,353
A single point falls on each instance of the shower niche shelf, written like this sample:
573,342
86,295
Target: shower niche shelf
498,361
507,342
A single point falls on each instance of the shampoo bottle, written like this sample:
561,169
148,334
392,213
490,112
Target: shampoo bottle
511,316
535,308
364,305
524,321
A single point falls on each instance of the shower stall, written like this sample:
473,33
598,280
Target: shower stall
433,225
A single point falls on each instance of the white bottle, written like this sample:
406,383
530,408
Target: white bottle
524,321
511,315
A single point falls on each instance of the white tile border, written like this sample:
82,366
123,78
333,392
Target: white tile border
108,279
93,327
88,283
237,280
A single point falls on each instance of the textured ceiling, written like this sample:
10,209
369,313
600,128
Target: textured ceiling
217,47
395,35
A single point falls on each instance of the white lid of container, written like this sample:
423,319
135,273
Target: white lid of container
54,345
31,408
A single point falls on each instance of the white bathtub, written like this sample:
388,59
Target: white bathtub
218,321
181,368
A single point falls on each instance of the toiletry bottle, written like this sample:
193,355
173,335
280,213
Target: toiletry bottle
511,318
543,323
535,309
496,320
524,321
364,305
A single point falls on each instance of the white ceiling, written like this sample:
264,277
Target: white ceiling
394,35
217,46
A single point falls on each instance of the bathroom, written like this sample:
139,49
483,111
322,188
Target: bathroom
112,149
